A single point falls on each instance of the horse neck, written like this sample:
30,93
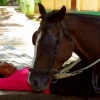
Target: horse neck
77,28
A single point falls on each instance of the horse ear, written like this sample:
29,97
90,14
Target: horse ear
41,9
59,16
62,12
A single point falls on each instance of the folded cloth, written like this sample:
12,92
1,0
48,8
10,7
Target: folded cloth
47,91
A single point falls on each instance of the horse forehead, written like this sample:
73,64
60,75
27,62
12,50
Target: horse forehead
38,37
35,48
49,15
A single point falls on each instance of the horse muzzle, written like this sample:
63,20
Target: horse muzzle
38,79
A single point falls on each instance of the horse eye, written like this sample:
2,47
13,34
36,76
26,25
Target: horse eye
49,40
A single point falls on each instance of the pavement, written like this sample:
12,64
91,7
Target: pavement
17,30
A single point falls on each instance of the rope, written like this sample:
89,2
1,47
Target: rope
70,66
63,73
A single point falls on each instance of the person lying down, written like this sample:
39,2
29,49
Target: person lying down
17,80
13,79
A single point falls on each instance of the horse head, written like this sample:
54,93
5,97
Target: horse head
52,48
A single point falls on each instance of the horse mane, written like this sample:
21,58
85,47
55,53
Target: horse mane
48,15
82,16
86,16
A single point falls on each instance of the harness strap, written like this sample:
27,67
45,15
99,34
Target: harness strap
67,35
95,81
70,66
64,74
41,71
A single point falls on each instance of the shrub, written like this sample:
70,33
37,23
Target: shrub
18,1
36,10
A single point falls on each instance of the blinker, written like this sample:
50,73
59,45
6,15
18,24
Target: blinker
49,40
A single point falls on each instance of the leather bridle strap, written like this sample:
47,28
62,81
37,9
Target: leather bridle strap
67,35
41,71
55,49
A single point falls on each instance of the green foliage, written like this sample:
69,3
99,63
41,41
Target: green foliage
18,1
3,2
37,1
36,5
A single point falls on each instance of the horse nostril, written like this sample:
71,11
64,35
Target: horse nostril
34,83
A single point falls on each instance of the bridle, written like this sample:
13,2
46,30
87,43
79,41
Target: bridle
62,29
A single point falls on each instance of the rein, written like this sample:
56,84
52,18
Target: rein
62,28
64,72
54,73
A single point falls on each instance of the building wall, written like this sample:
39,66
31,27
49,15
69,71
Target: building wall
81,5
90,5
99,5
56,4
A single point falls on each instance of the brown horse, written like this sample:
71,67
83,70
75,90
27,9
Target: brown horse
58,36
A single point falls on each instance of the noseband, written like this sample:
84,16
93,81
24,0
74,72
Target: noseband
62,29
